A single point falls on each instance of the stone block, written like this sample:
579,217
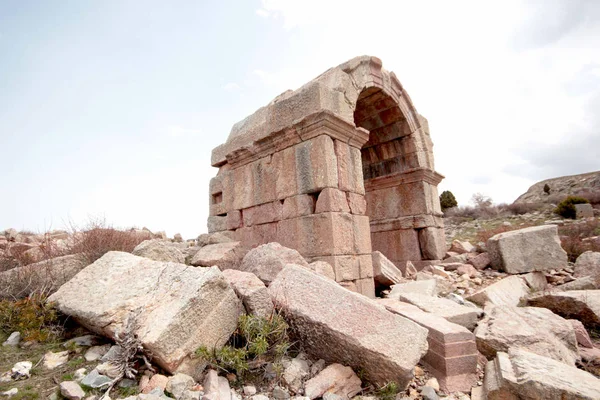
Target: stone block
405,200
524,250
349,166
361,234
234,219
251,291
427,287
452,353
508,291
340,326
536,281
217,224
284,166
453,312
588,264
584,211
433,243
267,260
583,305
316,165
223,255
357,203
398,244
252,236
264,213
298,206
332,200
385,272
366,287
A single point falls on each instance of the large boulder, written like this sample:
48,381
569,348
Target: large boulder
588,264
524,250
345,327
45,276
267,260
508,291
583,305
224,255
537,330
520,374
251,291
385,272
160,250
172,308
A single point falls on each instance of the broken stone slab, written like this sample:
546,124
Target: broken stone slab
385,272
213,238
520,374
267,260
582,335
427,287
448,309
322,268
223,255
461,247
534,329
582,305
335,379
345,327
480,261
524,250
53,360
48,275
452,354
536,281
160,250
95,380
588,264
251,291
172,308
508,291
583,283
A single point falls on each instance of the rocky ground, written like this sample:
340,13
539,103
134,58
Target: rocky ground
492,305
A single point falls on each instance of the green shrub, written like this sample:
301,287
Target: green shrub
256,338
447,200
566,208
547,188
33,317
388,391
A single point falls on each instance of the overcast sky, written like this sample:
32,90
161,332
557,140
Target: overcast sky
111,108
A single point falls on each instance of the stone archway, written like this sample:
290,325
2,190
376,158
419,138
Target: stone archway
334,169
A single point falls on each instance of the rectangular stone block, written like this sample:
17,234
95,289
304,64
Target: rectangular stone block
362,234
316,165
252,236
397,245
404,200
284,165
268,212
241,186
234,219
333,200
357,203
433,243
349,168
451,311
216,224
298,206
365,266
366,287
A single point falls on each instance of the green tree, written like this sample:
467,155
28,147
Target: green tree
566,208
546,189
447,200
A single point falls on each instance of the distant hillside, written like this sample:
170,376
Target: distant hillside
561,187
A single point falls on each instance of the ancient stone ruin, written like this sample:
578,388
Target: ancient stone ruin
336,169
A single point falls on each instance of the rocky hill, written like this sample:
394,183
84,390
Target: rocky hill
561,187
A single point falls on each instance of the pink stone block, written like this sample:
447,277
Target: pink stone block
216,224
252,236
357,203
433,243
366,287
349,166
268,212
331,199
398,244
298,206
362,234
284,166
316,165
234,219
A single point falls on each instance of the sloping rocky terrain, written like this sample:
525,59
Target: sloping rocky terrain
504,315
561,187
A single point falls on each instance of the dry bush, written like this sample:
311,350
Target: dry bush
591,195
524,208
33,317
477,212
97,238
572,238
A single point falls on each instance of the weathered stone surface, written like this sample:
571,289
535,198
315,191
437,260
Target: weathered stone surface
157,381
53,360
583,283
223,255
160,250
333,200
588,264
295,373
267,260
13,340
95,380
426,287
536,281
452,354
524,250
178,384
453,312
95,353
583,338
322,268
385,272
536,330
48,275
582,305
480,261
251,290
345,327
508,291
176,308
584,211
71,390
213,238
524,375
336,379
462,247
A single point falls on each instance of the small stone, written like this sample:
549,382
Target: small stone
13,340
108,369
53,360
79,374
433,383
157,381
418,371
295,373
21,370
317,367
10,393
249,390
86,341
280,393
71,390
179,383
95,380
95,353
428,393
